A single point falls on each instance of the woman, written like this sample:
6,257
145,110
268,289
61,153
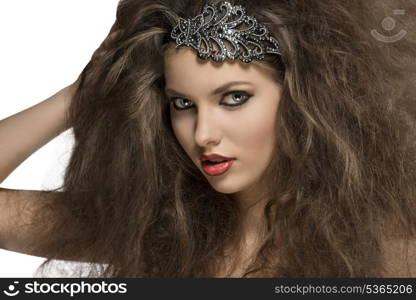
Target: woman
318,143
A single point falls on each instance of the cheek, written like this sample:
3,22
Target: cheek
260,141
182,130
257,134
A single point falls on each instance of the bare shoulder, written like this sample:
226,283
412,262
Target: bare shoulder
400,257
18,209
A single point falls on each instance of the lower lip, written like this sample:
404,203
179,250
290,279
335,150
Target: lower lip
217,169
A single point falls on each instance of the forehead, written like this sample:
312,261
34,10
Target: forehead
183,68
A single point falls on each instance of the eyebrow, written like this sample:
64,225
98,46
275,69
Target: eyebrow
217,91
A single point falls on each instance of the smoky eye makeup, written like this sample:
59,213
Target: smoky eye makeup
229,99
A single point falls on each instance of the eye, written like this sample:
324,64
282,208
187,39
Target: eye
237,98
180,103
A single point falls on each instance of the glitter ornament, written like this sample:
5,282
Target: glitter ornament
225,31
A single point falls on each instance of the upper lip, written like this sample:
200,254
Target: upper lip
205,157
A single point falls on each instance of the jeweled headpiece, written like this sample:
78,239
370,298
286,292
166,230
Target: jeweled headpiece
235,34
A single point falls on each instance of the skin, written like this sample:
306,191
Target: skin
244,132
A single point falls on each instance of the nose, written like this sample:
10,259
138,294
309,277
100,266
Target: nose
207,132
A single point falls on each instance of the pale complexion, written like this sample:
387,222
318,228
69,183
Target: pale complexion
207,125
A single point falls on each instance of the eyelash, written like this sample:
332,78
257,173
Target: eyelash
245,94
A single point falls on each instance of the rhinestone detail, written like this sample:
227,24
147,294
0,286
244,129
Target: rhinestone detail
216,27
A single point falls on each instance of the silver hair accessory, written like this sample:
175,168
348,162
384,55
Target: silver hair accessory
216,25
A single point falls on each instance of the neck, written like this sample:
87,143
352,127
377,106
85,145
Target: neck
253,224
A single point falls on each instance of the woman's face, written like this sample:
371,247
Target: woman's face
236,122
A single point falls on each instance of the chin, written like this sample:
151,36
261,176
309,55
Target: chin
225,189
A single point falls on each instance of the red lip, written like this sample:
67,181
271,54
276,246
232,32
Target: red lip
214,156
217,169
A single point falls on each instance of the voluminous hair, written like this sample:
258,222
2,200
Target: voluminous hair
341,185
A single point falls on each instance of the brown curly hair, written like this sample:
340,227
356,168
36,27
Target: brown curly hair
341,184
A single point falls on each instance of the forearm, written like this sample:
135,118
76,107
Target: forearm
25,132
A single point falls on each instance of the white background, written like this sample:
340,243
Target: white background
44,46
